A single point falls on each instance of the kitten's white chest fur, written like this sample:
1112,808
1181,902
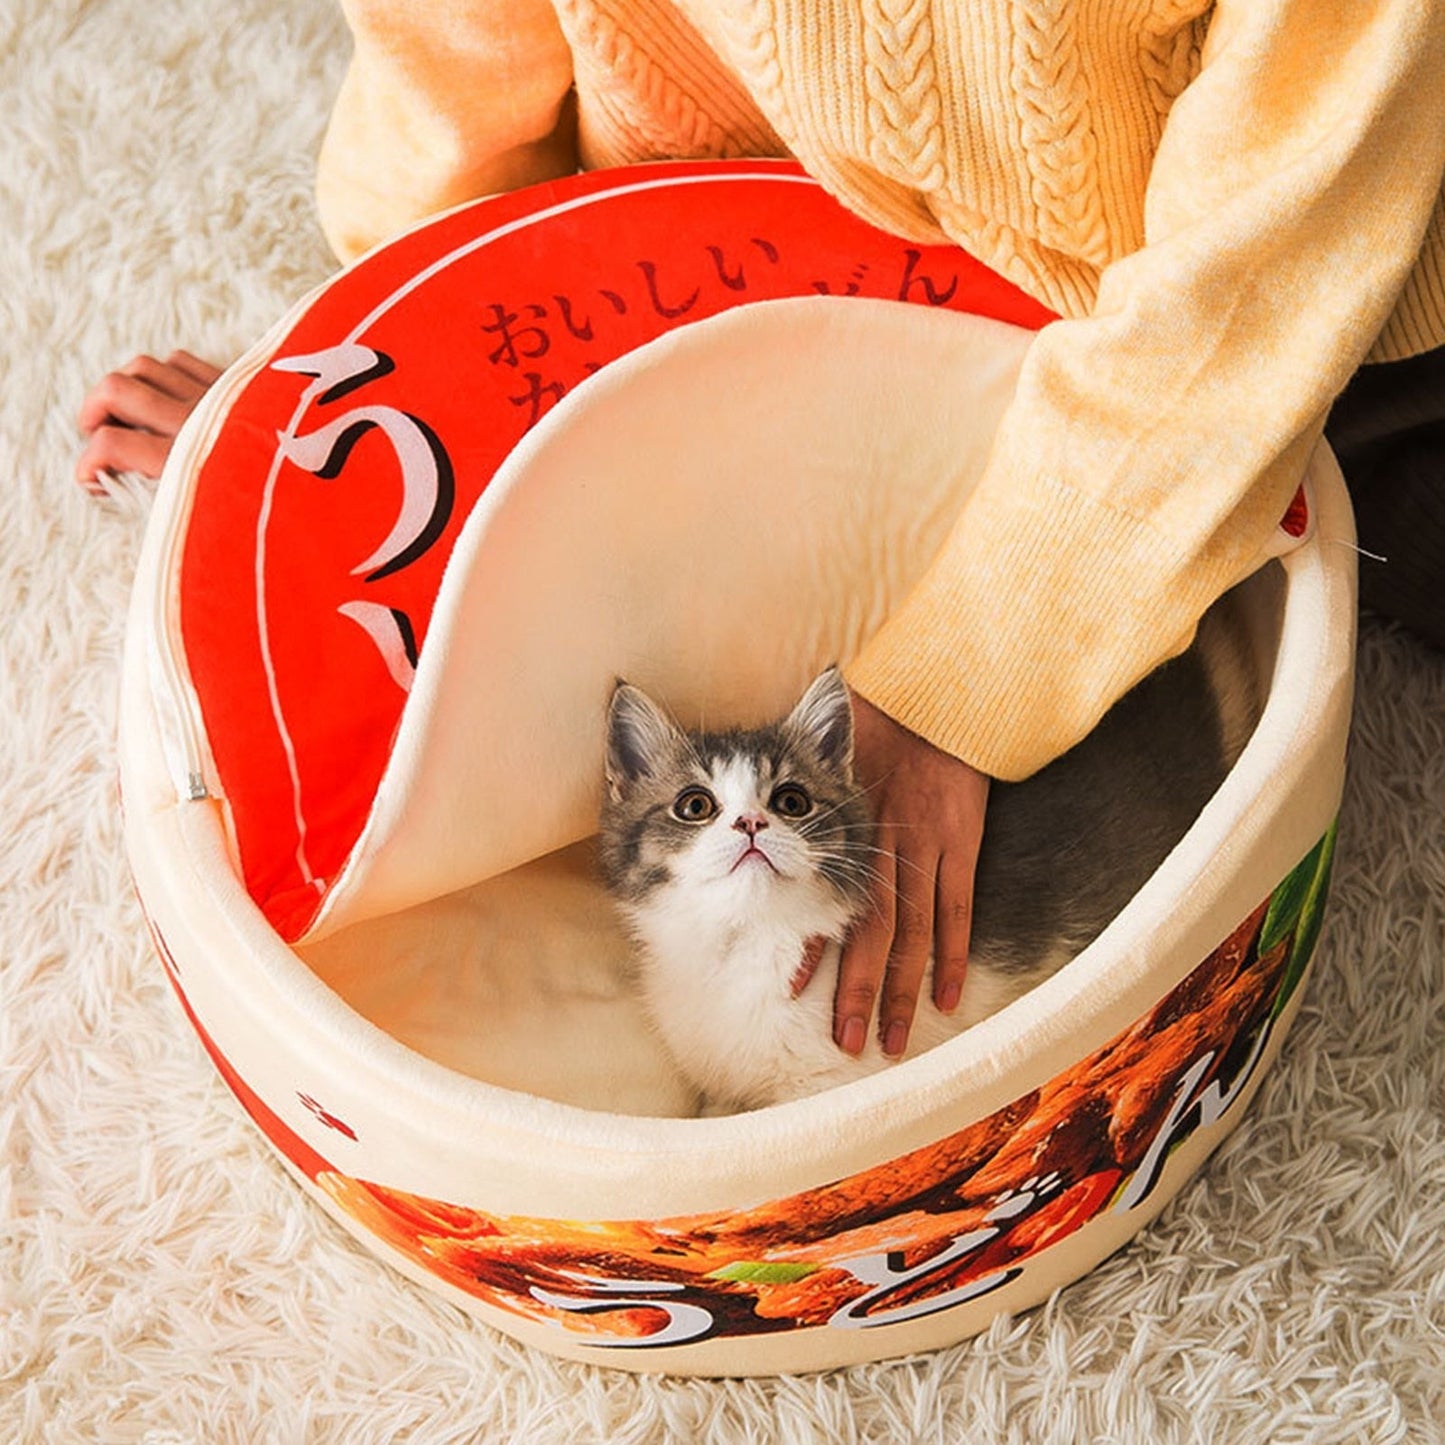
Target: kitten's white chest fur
720,993
719,989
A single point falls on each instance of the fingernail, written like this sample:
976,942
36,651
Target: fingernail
895,1039
851,1039
948,999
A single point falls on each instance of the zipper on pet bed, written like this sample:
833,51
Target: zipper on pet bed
180,732
178,709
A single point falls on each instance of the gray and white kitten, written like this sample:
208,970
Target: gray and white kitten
726,851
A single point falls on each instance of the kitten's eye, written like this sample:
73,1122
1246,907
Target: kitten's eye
790,801
694,805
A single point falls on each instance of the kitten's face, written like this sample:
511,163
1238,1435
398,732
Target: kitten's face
728,819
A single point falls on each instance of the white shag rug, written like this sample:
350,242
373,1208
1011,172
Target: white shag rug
162,1281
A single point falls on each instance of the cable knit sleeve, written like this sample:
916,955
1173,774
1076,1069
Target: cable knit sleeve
441,104
1153,445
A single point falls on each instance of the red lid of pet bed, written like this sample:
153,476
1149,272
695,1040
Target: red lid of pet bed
327,506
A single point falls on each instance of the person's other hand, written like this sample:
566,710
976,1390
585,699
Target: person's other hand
929,809
131,416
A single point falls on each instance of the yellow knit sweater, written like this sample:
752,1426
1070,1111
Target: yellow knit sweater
1231,206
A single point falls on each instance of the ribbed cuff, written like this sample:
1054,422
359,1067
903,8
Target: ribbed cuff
1418,321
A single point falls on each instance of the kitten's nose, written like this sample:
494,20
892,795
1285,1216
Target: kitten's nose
750,823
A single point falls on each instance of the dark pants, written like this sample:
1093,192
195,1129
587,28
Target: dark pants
1388,431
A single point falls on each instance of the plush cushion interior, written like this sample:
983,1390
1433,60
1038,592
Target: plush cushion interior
685,521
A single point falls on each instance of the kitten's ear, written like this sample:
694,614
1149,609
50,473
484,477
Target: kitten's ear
824,719
639,737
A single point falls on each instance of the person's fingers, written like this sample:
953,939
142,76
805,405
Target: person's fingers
121,449
865,956
166,377
203,373
135,402
953,925
908,957
93,412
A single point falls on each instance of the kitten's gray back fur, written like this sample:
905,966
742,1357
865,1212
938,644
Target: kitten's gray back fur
1066,849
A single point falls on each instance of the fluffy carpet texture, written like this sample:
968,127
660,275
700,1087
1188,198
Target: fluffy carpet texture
161,1280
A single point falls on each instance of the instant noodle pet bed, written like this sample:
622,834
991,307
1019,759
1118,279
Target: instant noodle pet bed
672,423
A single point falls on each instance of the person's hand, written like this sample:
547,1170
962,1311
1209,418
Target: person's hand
131,416
929,809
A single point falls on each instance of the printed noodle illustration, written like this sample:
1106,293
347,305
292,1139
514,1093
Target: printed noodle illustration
945,1223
